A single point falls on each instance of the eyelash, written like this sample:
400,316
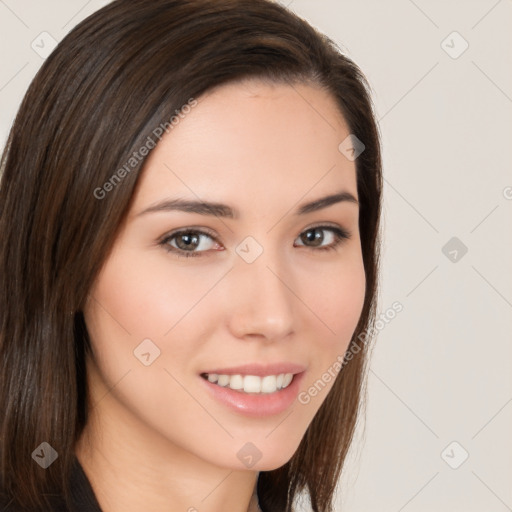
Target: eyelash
340,236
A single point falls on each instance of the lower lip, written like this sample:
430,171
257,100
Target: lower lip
256,404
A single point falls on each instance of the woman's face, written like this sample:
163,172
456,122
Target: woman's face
269,284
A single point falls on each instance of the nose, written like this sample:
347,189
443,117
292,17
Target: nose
261,302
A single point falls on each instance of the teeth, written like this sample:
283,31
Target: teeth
252,383
236,382
223,380
268,384
287,379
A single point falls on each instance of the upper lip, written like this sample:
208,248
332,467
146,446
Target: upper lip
260,370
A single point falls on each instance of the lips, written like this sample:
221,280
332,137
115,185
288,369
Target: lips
256,404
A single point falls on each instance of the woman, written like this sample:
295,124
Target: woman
189,214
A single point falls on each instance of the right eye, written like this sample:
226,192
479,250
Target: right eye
188,242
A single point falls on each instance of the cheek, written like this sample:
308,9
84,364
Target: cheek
337,298
155,303
136,299
146,297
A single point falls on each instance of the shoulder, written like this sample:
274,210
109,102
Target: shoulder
7,505
82,495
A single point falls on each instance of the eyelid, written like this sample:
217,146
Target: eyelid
331,225
211,233
193,229
338,229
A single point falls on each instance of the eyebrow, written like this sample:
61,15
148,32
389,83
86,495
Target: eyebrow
223,210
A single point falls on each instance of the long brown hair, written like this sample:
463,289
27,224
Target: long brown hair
113,79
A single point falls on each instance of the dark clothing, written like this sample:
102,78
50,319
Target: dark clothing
82,495
83,498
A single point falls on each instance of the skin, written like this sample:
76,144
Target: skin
155,440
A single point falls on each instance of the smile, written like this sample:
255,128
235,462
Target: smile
252,384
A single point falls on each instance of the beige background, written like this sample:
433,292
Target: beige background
441,370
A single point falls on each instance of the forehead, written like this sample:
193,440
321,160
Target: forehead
248,142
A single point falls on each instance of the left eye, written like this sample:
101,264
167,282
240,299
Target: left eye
190,242
316,238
